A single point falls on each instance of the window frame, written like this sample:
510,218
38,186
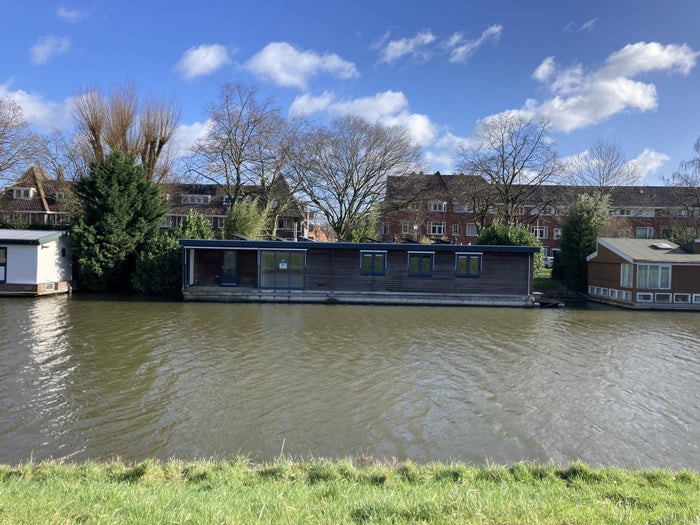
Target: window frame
469,256
437,228
626,275
421,256
647,270
3,265
373,256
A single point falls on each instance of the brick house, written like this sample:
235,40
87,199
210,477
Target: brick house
454,208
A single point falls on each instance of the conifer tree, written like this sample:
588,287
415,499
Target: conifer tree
122,211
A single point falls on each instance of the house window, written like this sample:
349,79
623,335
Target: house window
437,206
437,228
372,263
196,199
645,232
654,276
665,232
626,271
683,298
549,210
420,263
3,264
455,229
23,193
471,230
468,265
519,210
462,208
285,223
557,233
625,212
220,223
383,228
539,231
408,228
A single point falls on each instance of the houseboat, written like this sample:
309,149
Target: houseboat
343,272
645,274
34,262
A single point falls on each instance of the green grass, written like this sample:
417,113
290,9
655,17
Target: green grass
346,491
544,281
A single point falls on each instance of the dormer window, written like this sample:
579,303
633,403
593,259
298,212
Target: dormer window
24,193
196,199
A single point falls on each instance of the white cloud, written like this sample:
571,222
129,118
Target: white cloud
415,46
202,60
70,15
38,112
649,161
285,65
390,108
589,25
187,135
48,46
582,99
460,49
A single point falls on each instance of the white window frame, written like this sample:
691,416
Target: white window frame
696,298
471,230
626,275
455,230
437,206
645,270
648,232
541,232
663,297
557,234
645,297
681,298
436,228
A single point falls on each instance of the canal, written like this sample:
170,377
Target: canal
87,377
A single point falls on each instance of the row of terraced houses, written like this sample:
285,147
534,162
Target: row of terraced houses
436,207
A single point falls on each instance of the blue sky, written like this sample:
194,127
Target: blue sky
624,71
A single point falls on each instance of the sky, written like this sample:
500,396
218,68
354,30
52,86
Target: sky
618,71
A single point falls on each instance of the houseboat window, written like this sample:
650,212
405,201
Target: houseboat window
663,297
681,298
654,276
626,275
420,264
3,264
373,263
468,265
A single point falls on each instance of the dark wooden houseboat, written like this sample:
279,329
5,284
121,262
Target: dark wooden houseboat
341,272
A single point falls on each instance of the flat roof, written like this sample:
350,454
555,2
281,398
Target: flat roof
37,237
383,246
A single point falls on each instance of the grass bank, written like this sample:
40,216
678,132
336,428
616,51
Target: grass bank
343,492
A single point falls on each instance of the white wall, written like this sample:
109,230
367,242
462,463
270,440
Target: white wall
29,264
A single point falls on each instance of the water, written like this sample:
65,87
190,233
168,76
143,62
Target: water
98,378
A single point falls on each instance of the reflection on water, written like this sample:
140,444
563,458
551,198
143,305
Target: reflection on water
96,378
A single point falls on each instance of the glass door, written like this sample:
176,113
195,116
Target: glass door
229,269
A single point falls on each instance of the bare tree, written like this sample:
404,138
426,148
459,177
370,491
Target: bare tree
686,195
104,123
602,166
17,142
238,148
515,156
343,168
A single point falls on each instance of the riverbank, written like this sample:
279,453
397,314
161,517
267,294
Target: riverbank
346,491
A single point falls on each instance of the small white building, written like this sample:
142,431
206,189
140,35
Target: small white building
35,262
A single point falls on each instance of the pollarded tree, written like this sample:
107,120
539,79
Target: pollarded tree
586,220
120,121
516,156
122,210
343,168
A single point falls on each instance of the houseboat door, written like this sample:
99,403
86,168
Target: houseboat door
229,269
282,269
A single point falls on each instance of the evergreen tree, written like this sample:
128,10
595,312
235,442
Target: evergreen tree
512,235
122,211
586,220
159,266
246,218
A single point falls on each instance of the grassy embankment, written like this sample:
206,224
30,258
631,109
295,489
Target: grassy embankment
343,492
544,281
